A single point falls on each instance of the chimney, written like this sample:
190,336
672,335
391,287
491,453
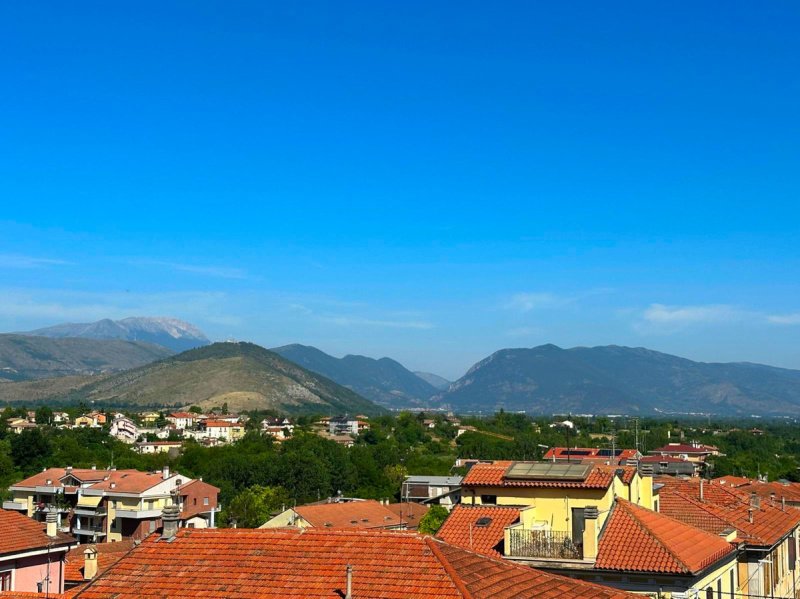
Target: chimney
94,466
51,521
170,516
90,563
590,532
755,500
783,503
750,515
349,583
165,472
772,498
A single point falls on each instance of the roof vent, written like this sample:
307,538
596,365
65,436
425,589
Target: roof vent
483,522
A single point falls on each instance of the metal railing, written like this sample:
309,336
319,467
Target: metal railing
550,544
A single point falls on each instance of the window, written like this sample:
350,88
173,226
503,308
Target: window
730,580
194,501
719,588
152,525
709,593
5,580
489,499
205,500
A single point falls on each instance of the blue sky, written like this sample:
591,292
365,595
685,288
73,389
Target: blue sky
428,181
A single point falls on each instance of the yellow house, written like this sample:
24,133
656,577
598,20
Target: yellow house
149,418
598,523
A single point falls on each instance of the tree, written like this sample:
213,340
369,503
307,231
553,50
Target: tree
44,415
252,507
433,519
196,410
30,450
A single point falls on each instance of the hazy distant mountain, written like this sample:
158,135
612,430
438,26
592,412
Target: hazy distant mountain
243,375
383,381
172,333
24,357
435,380
613,379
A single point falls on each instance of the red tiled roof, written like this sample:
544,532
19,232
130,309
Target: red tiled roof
129,481
265,563
789,491
493,475
409,512
55,474
19,533
589,453
732,481
218,424
770,524
349,514
184,415
640,540
462,530
108,554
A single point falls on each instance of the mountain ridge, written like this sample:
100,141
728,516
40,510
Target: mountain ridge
619,379
383,380
172,333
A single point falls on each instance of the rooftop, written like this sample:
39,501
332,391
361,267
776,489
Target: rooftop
349,514
19,533
478,528
242,563
435,481
640,540
545,474
108,554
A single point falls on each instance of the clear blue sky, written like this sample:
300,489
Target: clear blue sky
428,181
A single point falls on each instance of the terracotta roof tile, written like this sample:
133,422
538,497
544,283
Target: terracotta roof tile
769,523
409,512
493,475
265,563
641,540
108,554
19,533
462,529
349,514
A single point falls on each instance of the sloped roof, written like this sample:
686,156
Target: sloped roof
684,448
478,528
19,533
349,514
410,512
108,554
789,491
769,523
55,474
590,453
493,475
732,481
640,540
129,481
247,563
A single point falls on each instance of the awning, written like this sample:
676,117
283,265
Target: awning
84,501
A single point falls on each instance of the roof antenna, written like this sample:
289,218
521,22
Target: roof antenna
349,588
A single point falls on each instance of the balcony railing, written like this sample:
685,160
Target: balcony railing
548,544
89,530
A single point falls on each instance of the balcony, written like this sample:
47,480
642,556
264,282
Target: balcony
138,514
87,511
543,544
98,531
15,505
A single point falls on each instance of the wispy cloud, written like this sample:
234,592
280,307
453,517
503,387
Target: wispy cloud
784,319
682,315
350,321
21,261
523,332
525,302
225,272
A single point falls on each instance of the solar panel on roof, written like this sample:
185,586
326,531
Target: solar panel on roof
548,471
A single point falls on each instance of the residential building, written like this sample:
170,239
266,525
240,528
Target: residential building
346,425
442,490
669,465
17,425
278,428
91,420
776,492
149,447
124,429
100,505
618,457
221,430
149,418
694,451
589,521
61,418
359,513
767,530
322,563
183,420
197,501
32,554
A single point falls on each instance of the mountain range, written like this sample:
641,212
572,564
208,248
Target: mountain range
243,375
171,333
620,380
25,358
384,381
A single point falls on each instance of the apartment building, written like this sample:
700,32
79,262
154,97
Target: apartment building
106,505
